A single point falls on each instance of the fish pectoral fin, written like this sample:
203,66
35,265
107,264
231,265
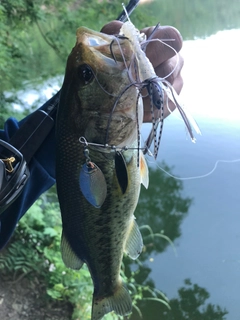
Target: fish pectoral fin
69,258
134,243
144,171
121,171
120,302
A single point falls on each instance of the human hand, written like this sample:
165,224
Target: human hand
162,57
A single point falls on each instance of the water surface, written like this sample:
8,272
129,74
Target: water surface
208,238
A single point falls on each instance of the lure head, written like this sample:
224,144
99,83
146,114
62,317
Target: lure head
130,31
97,95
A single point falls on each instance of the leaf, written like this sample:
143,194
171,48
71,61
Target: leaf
50,232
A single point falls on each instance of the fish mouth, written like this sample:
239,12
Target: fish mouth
95,41
109,48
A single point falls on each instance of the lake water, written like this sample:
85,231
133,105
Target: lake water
208,249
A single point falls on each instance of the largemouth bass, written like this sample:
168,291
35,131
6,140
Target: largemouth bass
98,178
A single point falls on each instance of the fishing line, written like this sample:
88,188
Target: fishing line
167,45
120,48
84,141
200,176
138,129
126,13
105,91
182,111
145,43
185,115
51,109
118,97
132,61
136,84
162,82
176,55
168,87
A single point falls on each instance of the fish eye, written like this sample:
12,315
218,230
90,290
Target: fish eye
85,74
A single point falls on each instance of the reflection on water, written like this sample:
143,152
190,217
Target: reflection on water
189,304
162,196
201,216
163,207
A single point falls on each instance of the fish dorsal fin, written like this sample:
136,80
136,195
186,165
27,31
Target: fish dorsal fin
121,171
69,258
120,302
134,243
144,171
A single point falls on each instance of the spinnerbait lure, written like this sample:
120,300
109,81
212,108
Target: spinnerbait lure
156,87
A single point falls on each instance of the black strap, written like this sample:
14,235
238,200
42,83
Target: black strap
29,137
18,152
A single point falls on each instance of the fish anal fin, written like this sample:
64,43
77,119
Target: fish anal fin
144,171
120,302
134,243
69,258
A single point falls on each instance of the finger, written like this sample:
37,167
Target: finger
160,51
112,27
170,69
157,51
162,57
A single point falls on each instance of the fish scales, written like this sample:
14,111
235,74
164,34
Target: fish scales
102,230
94,81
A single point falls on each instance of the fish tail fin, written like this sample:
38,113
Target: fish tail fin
120,302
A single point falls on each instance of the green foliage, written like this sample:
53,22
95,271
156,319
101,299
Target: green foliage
191,305
36,36
34,248
7,109
162,207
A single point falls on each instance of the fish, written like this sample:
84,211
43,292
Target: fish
99,167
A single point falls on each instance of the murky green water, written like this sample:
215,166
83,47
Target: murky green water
196,18
201,215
